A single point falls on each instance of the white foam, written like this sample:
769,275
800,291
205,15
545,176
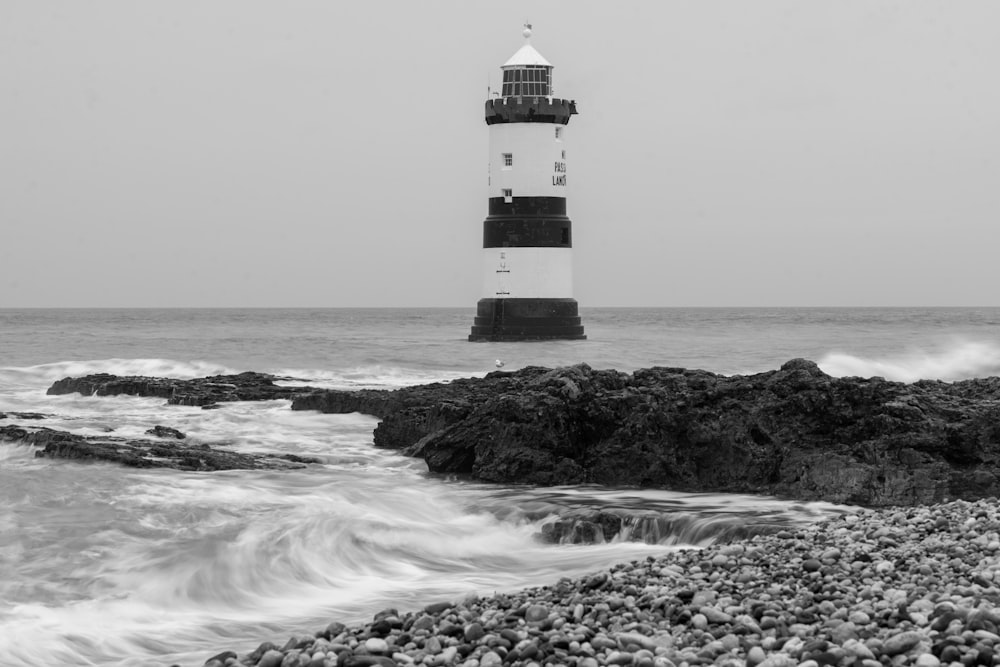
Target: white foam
47,373
959,360
374,376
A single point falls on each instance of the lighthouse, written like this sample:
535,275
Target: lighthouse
527,236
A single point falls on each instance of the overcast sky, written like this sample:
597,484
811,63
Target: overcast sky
248,153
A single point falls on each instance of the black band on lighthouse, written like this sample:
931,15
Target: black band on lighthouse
529,110
524,206
504,232
526,319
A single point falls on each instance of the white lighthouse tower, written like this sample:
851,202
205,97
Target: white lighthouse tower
527,237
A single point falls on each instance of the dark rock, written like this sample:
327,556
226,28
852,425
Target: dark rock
221,658
333,629
474,632
811,565
206,391
436,608
166,432
259,652
381,628
364,660
794,432
23,415
146,453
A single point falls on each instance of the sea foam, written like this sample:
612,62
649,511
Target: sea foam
960,360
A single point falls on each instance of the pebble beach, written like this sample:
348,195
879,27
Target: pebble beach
893,587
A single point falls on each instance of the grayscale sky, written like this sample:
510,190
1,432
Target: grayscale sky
320,153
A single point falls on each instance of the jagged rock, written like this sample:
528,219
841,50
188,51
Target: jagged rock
146,453
206,391
794,432
166,432
23,415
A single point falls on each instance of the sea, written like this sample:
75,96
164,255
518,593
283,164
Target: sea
106,565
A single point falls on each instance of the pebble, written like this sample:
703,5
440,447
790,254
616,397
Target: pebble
913,586
927,660
376,645
490,659
536,613
901,643
755,656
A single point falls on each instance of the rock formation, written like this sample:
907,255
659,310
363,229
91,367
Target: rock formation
145,453
794,432
204,392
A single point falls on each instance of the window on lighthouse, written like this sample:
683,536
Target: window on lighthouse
529,80
508,160
508,195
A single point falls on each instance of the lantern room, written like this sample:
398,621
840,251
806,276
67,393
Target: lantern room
527,73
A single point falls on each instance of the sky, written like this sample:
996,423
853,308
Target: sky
331,154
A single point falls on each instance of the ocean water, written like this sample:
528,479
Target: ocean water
103,565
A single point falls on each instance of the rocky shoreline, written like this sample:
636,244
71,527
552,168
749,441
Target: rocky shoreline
872,588
795,432
914,584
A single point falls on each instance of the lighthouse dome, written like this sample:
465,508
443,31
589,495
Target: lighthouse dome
526,55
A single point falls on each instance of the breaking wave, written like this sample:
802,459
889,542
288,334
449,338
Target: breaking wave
961,360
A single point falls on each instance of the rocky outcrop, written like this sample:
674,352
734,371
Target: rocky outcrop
204,392
165,432
146,453
22,415
794,432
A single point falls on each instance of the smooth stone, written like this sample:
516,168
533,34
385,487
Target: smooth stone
490,659
425,622
335,628
376,645
437,607
755,656
271,658
473,632
927,660
779,660
536,613
447,656
639,639
602,642
715,615
901,643
619,658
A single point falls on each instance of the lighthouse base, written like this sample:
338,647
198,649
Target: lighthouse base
526,319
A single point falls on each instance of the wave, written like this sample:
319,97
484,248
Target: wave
961,360
47,373
375,376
